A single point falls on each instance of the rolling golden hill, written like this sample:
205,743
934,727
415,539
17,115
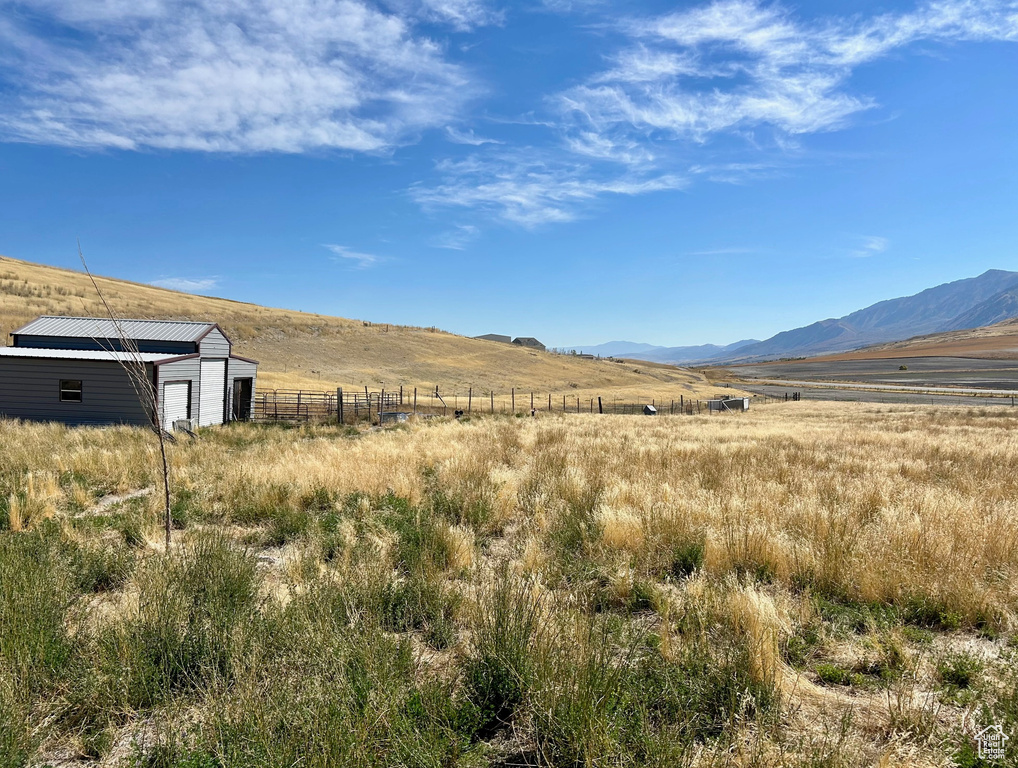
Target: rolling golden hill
318,352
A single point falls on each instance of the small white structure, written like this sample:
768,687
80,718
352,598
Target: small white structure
729,404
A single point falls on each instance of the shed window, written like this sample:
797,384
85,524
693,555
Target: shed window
70,391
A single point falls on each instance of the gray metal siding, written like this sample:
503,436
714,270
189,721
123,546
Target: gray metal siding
214,345
240,369
184,370
75,342
29,389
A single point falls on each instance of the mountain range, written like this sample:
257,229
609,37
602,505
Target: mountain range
970,303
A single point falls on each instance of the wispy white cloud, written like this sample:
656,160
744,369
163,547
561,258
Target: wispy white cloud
750,71
464,15
359,259
467,137
187,284
223,75
741,64
871,245
521,188
458,238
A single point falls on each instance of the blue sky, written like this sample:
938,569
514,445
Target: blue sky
575,170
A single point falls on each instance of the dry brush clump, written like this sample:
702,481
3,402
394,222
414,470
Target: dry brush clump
831,586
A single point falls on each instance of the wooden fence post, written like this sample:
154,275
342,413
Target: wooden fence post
339,403
401,394
492,393
470,399
600,408
415,399
381,405
549,402
514,399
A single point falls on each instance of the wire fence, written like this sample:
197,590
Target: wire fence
351,406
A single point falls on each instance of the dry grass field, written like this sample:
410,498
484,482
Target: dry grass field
298,350
800,585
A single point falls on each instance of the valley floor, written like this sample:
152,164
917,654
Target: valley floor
804,584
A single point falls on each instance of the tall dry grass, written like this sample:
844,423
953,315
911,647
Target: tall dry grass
581,590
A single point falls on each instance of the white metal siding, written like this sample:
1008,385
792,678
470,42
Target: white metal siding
213,393
214,345
175,394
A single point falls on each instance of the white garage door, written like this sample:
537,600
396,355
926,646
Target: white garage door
175,397
213,392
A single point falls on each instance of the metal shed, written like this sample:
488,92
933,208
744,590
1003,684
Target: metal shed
69,369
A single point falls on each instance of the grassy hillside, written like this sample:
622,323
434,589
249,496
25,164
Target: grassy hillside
995,342
302,350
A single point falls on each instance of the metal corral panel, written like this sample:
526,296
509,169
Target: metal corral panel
83,354
212,397
30,389
100,328
176,401
729,404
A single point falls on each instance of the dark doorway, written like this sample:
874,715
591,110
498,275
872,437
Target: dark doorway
242,399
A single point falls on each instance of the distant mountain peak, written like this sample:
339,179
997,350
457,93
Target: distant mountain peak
971,302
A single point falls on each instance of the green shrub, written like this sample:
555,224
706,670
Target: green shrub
417,603
15,738
35,594
501,668
332,689
686,558
832,674
420,546
958,670
286,525
101,568
930,613
194,604
583,704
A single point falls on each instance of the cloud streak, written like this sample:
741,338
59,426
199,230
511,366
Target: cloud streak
222,75
740,64
522,189
721,91
358,259
871,246
187,284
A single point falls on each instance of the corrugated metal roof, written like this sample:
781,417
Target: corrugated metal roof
99,328
84,354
